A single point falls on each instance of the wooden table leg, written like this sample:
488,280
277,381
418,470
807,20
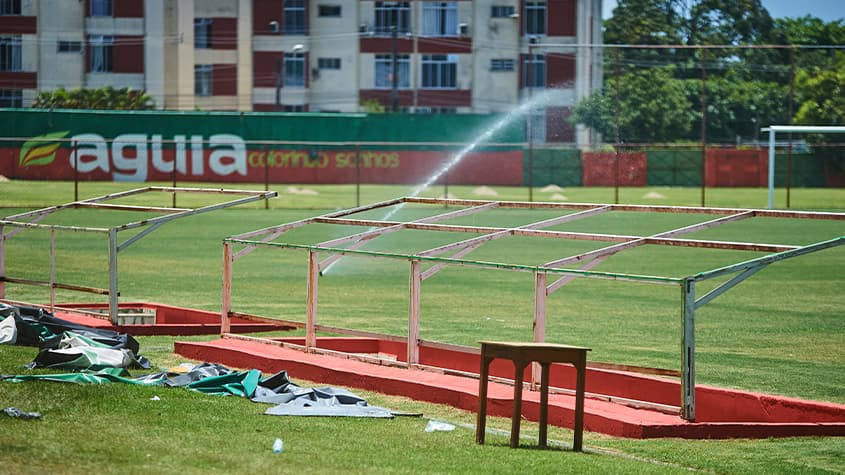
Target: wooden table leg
519,366
481,422
544,403
581,369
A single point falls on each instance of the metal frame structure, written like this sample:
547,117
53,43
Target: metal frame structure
548,276
30,219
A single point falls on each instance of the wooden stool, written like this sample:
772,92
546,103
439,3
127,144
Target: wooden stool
522,354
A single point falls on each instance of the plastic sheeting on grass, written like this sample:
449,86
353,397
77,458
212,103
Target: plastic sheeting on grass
292,400
67,345
287,398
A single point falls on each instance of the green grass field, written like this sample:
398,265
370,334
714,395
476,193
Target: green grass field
780,332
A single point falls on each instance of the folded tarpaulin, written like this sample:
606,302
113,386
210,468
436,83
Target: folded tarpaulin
292,400
103,376
227,382
79,352
288,398
36,327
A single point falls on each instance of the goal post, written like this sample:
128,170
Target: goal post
774,129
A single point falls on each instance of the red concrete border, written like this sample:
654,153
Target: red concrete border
170,320
724,413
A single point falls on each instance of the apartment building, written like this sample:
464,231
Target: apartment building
459,56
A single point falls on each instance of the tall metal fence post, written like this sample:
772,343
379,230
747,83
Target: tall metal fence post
616,130
75,152
173,177
266,176
357,175
789,122
703,125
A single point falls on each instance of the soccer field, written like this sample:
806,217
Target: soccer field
781,332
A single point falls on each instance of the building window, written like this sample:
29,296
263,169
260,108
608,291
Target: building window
328,63
502,11
294,70
101,53
101,8
328,11
69,46
294,15
499,65
10,53
390,14
384,71
439,71
293,108
202,79
11,98
535,71
440,19
202,33
10,7
535,18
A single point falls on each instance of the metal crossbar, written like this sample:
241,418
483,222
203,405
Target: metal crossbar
30,220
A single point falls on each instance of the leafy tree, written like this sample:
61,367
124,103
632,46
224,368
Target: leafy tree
104,98
747,87
653,107
646,22
822,100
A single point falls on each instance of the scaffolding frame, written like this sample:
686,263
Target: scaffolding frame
548,276
30,220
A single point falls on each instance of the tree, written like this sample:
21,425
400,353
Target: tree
653,107
104,98
646,22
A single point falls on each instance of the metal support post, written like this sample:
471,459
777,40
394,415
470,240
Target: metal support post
539,321
414,313
113,290
311,306
688,349
226,307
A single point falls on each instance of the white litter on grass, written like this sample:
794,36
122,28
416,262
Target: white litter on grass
653,195
484,191
3,179
155,398
433,426
559,197
551,189
300,191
